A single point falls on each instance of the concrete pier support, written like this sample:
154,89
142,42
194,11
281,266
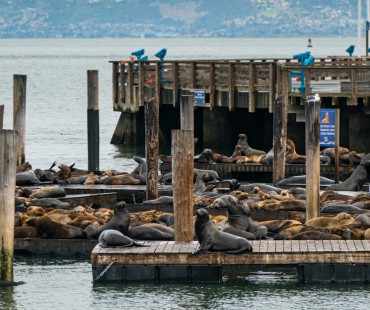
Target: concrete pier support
130,129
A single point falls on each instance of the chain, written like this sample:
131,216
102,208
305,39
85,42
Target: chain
104,271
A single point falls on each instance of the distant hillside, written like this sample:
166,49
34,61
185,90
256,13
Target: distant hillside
168,18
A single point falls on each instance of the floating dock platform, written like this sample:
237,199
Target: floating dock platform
343,261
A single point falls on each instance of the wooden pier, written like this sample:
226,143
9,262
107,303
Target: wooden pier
162,261
248,86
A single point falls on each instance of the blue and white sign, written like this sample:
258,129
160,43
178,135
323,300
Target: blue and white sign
199,97
327,127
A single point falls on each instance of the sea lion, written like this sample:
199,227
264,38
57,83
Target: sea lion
341,207
142,166
341,219
246,150
114,238
120,221
206,157
200,186
276,226
212,174
48,192
167,218
25,232
264,187
26,166
357,178
49,229
211,239
27,178
91,179
121,180
166,178
239,222
147,232
162,200
64,172
50,203
269,158
314,235
301,180
291,156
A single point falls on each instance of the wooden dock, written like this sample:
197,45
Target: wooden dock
161,261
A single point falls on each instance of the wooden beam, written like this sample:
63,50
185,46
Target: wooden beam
1,116
312,113
193,75
141,83
175,90
337,144
212,87
114,85
272,85
252,86
279,138
231,82
158,81
353,100
19,114
121,84
187,112
93,119
151,115
183,173
8,165
307,82
130,84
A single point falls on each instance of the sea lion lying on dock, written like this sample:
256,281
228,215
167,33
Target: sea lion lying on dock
48,192
292,157
211,239
151,232
300,180
114,238
359,176
341,219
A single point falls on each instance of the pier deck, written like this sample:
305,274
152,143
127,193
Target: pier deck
318,260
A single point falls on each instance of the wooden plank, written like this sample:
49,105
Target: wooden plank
121,85
252,81
114,84
366,244
351,246
327,245
279,246
319,246
175,90
141,83
212,85
270,246
169,246
359,246
193,75
158,81
303,246
288,245
256,245
353,100
176,247
161,246
311,245
335,246
272,85
130,84
231,87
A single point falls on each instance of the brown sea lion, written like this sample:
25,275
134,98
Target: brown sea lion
286,205
340,219
25,232
48,192
24,167
291,155
63,173
91,179
121,180
211,239
49,229
82,221
246,150
314,235
150,232
367,234
289,232
275,226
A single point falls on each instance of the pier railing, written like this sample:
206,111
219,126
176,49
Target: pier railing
247,83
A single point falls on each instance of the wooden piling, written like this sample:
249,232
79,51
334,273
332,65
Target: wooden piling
252,87
8,164
312,115
182,148
187,112
337,142
151,116
19,114
93,119
1,116
279,138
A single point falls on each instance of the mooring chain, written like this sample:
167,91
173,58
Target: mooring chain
104,271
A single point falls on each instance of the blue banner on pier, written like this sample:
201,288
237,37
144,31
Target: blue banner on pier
327,127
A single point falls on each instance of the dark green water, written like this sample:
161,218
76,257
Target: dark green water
67,284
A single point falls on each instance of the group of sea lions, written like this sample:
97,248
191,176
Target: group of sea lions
244,153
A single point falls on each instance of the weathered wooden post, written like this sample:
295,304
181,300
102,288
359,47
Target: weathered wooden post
337,142
312,115
1,116
279,138
93,119
8,164
182,147
187,112
151,116
19,114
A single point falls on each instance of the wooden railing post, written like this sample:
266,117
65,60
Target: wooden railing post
353,100
175,77
151,116
252,87
312,115
93,119
8,165
231,86
182,147
19,114
280,135
158,80
1,116
115,86
212,90
337,144
122,87
272,85
187,112
141,83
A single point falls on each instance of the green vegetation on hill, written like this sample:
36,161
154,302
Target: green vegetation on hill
191,18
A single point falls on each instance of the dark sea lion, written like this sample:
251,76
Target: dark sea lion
276,226
50,203
264,187
49,229
162,200
25,232
166,178
114,238
27,178
269,158
239,221
212,174
246,149
200,185
206,157
167,218
357,178
142,165
341,207
120,221
301,180
211,239
145,232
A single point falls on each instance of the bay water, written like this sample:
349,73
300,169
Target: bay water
56,130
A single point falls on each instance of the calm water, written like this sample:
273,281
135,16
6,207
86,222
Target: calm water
67,284
56,130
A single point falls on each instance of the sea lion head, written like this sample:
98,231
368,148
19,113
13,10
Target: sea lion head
202,214
242,136
236,207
